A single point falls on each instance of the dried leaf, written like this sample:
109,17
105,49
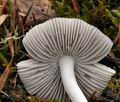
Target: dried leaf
29,10
21,25
39,9
76,6
117,39
3,18
5,74
22,14
10,43
3,7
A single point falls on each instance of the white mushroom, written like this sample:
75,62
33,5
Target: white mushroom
65,54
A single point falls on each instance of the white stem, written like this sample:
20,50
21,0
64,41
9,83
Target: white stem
69,80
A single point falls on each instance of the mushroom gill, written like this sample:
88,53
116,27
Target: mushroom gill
60,43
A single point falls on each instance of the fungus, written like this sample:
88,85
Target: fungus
65,54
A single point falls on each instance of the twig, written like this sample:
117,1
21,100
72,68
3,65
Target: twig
7,95
13,37
25,54
15,80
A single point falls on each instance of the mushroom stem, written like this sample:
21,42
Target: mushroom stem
69,81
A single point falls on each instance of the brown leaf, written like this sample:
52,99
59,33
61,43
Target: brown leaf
3,18
21,25
3,7
5,74
76,6
117,38
10,43
39,9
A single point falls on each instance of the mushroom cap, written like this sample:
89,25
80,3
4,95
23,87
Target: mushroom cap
48,42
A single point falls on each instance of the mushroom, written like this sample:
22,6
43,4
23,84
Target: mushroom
65,53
